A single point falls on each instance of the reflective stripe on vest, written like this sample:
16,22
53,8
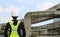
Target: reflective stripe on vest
14,29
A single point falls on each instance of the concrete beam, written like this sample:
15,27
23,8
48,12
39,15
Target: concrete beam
33,21
42,16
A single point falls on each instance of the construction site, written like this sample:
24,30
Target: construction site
48,30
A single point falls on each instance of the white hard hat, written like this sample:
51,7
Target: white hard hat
15,13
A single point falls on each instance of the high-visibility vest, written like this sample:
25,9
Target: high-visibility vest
14,28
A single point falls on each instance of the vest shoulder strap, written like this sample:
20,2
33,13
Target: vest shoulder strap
11,23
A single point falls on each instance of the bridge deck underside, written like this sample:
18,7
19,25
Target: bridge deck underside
40,19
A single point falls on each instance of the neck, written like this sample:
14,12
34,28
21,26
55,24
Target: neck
15,22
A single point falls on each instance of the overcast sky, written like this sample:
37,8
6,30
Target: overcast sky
23,6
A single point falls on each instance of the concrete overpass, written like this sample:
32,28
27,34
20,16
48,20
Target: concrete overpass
39,16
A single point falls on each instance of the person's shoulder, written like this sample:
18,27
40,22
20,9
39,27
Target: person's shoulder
7,22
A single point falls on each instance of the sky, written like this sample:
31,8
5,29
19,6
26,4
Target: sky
23,7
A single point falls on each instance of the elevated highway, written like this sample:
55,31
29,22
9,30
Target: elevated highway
40,16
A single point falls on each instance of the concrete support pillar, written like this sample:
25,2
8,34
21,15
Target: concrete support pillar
27,22
44,31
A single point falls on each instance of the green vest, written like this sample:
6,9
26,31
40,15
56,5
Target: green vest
14,29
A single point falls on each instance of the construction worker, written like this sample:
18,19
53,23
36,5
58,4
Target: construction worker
15,27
